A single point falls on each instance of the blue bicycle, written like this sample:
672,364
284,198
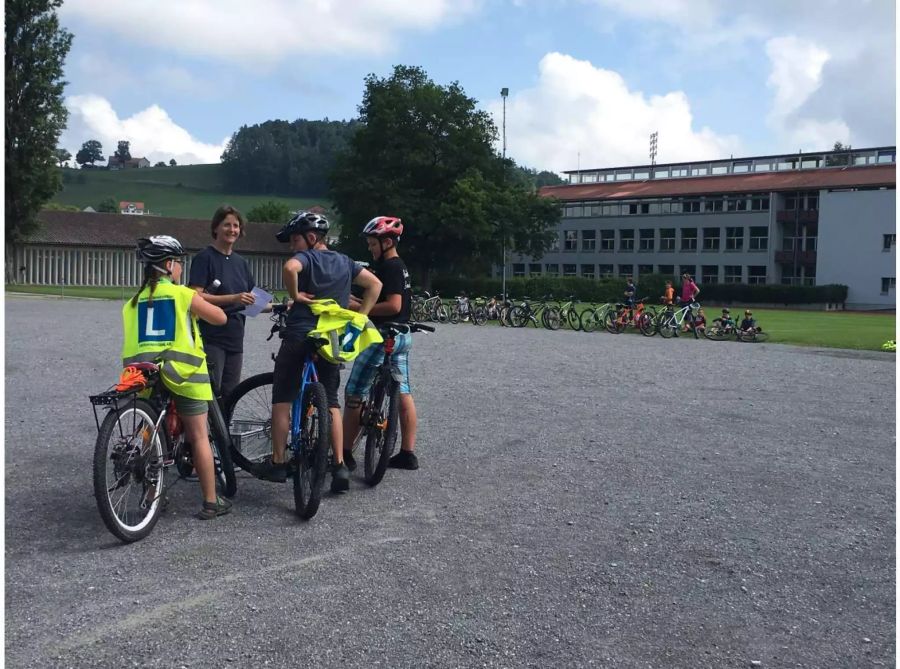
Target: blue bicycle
248,413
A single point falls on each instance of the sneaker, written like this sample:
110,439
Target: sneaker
404,460
210,510
350,461
340,478
272,471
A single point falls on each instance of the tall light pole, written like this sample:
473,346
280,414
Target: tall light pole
503,93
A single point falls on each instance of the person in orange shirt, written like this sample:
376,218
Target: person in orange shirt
668,296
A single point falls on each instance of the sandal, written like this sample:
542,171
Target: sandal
212,509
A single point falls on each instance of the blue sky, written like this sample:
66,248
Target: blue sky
588,79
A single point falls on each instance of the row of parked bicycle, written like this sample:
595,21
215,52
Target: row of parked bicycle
615,317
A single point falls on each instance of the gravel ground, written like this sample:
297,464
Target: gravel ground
583,500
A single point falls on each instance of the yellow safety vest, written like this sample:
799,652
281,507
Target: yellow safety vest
331,325
165,331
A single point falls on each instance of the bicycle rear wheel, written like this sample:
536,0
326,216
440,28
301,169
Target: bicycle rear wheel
382,426
310,448
218,440
248,414
128,470
667,326
573,319
716,333
479,316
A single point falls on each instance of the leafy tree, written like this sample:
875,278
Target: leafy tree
537,179
843,159
172,163
62,156
90,152
425,153
36,48
160,164
123,151
282,158
108,206
269,212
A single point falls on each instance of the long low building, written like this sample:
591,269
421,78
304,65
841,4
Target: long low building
805,219
73,248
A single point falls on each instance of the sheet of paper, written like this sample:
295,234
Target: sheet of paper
262,299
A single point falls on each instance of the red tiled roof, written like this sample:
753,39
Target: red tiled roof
79,228
846,177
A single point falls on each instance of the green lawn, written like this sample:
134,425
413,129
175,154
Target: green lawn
190,191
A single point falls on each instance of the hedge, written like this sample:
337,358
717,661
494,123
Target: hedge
650,286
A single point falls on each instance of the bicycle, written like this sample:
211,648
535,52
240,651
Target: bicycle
139,438
626,315
522,314
595,316
379,418
754,335
719,332
669,321
568,314
248,415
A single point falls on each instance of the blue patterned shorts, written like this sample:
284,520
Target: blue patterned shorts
367,363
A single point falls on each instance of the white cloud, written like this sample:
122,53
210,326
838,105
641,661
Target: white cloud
579,108
151,132
266,31
796,74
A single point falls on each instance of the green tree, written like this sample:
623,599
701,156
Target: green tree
160,164
62,156
109,205
123,151
172,163
90,152
36,49
425,152
269,212
841,159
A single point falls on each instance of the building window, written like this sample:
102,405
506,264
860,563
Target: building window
710,274
734,239
596,209
554,243
604,271
569,269
888,284
643,270
667,239
711,239
690,206
648,238
607,240
645,207
734,273
551,269
688,239
570,241
518,269
668,270
574,211
713,205
756,274
626,270
688,269
587,271
588,240
534,269
737,203
629,208
889,242
760,203
759,238
626,240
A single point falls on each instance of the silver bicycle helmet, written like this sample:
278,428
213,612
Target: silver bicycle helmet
155,249
302,221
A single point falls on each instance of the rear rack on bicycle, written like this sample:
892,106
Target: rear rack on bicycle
112,397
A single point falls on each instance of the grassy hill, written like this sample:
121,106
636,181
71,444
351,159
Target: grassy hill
188,191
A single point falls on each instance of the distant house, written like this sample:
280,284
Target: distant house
132,208
133,163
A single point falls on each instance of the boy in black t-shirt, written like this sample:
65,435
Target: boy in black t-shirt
382,234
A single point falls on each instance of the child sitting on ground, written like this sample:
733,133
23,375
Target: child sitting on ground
748,325
725,321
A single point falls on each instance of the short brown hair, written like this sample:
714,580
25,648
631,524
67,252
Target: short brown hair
220,215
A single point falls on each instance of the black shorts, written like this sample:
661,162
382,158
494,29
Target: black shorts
289,368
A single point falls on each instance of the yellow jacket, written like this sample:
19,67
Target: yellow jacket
332,324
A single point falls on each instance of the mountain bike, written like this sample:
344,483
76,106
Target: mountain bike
139,439
595,316
524,313
248,415
670,320
626,315
379,418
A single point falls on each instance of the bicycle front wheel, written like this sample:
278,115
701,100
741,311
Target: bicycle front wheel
311,450
248,414
382,425
218,440
128,470
667,326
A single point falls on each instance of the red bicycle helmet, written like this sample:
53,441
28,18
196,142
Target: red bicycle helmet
383,226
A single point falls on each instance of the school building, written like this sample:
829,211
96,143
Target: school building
812,218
